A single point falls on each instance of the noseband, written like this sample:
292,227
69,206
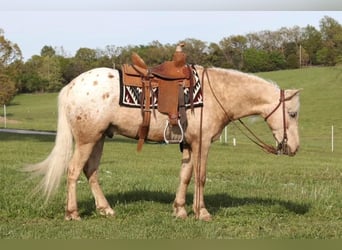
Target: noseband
282,146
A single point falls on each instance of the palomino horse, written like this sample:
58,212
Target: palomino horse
89,110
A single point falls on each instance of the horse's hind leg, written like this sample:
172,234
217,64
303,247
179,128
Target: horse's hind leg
91,170
81,155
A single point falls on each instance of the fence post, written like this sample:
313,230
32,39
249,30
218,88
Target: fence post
332,138
225,135
5,116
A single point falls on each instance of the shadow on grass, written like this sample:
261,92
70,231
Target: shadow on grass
214,202
33,135
26,137
123,139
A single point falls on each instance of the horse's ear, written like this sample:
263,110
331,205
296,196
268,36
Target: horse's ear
289,93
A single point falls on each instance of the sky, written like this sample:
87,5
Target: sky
73,27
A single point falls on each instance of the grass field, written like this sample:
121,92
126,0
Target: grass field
250,194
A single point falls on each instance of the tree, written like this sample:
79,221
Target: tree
10,54
7,89
291,54
216,57
312,43
256,60
304,57
267,40
30,79
50,72
196,51
86,55
233,47
254,41
42,73
155,53
47,51
331,32
277,60
84,60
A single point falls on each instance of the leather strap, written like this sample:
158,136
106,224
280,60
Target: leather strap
146,113
191,89
182,111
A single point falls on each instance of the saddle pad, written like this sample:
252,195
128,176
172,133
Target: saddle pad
130,96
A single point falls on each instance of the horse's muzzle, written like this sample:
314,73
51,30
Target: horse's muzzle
284,149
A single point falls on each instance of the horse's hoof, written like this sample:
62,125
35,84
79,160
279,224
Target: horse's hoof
72,216
204,215
107,211
180,213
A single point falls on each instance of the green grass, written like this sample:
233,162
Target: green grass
250,194
32,111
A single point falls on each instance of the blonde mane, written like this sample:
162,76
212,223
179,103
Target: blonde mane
250,75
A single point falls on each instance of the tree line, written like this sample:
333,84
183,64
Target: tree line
286,48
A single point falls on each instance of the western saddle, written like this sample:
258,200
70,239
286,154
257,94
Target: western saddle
170,78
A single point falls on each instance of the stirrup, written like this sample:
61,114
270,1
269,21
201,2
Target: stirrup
171,140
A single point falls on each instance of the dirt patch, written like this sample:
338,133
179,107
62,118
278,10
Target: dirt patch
8,121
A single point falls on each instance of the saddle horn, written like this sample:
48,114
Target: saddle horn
179,57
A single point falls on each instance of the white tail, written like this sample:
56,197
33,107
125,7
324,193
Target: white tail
55,165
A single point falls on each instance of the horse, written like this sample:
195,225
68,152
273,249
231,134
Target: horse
89,110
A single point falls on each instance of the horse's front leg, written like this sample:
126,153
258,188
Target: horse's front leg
200,169
184,180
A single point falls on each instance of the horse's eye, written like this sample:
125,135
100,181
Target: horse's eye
293,114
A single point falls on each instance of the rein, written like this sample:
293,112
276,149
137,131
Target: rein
199,157
269,148
281,148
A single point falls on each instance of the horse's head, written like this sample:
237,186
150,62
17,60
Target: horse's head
283,121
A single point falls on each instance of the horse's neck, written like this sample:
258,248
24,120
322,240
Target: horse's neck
257,99
244,95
